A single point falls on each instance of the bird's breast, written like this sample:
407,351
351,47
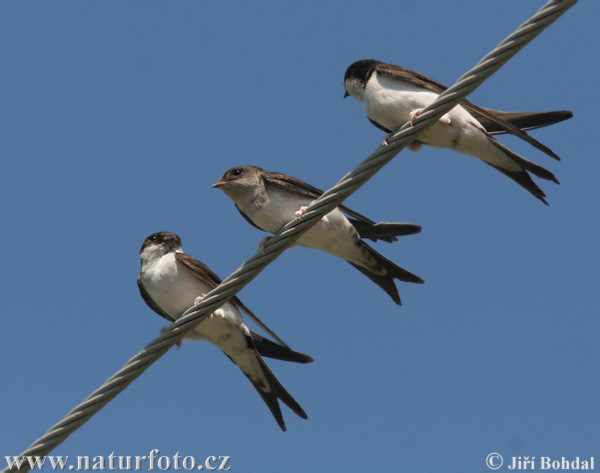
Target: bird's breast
172,287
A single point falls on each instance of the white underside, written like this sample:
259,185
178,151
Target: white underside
334,234
390,102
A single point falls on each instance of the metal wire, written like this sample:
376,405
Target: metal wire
294,229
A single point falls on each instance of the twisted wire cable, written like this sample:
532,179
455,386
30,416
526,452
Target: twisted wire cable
294,229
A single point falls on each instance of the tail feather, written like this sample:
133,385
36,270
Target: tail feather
270,349
524,180
396,271
385,282
276,392
497,120
384,231
522,177
539,171
391,271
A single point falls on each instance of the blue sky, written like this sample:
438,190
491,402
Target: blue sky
117,117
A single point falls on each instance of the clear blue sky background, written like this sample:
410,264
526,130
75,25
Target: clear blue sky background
117,117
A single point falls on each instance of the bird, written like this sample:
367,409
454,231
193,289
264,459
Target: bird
269,200
170,282
392,96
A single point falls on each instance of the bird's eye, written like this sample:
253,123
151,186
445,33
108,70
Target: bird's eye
237,172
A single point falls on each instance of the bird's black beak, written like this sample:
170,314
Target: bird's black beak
217,185
346,94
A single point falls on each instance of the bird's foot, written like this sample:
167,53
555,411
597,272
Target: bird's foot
300,213
414,114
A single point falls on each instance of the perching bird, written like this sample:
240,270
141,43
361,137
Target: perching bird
171,282
268,200
392,95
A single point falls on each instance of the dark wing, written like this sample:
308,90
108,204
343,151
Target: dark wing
248,219
292,184
150,302
413,77
204,273
259,322
384,231
199,269
381,127
266,347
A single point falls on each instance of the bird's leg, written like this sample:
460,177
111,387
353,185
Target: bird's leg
263,242
416,145
444,120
